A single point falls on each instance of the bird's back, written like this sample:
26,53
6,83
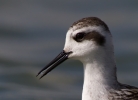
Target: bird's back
126,92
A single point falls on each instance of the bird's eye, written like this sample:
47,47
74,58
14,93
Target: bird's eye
79,36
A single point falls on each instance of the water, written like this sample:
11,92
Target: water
33,32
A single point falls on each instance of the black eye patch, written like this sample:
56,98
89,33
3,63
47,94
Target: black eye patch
94,36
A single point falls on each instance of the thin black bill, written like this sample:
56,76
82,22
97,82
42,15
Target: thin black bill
54,63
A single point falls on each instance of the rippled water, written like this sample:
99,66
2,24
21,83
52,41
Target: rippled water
33,32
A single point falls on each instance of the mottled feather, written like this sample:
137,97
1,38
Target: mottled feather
126,92
90,21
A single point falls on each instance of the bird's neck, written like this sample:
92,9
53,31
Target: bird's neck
99,78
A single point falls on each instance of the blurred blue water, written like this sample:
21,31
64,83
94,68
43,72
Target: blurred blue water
33,32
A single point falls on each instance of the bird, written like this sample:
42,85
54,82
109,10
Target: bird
89,40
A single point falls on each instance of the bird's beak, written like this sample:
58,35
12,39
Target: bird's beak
54,63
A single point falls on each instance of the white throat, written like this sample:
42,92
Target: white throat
99,77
